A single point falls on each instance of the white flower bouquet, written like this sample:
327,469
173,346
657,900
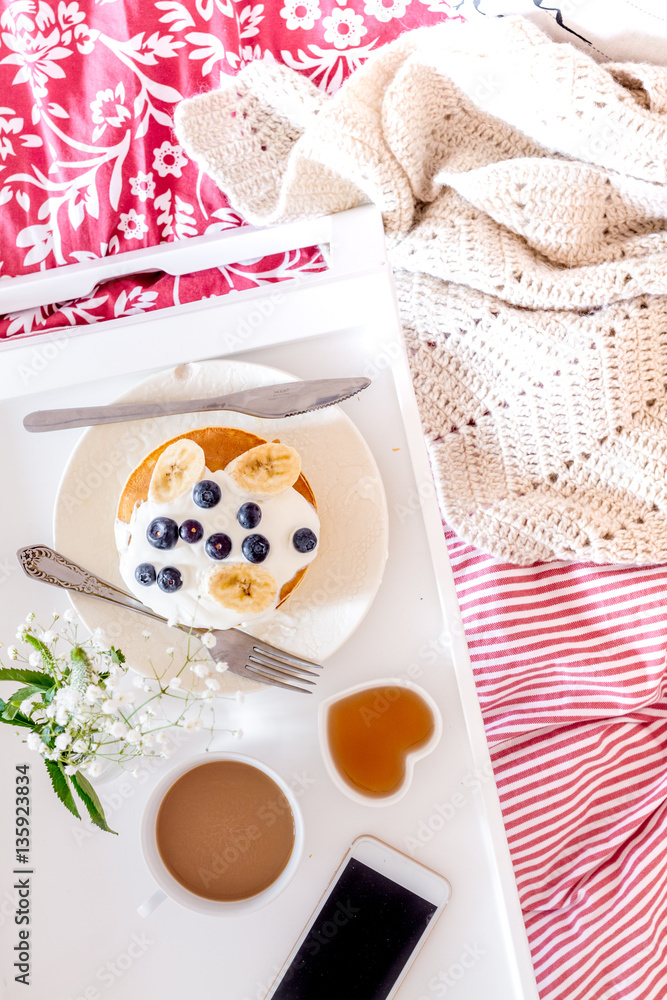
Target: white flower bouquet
76,712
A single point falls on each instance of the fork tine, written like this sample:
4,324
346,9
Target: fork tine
259,673
272,660
278,669
281,654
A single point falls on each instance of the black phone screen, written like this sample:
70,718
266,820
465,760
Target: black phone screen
360,940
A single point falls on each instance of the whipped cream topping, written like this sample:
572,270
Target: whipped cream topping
282,515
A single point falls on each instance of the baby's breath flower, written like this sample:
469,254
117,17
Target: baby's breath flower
68,697
118,729
99,710
192,724
238,735
30,617
208,640
93,694
34,741
99,641
146,634
221,666
172,622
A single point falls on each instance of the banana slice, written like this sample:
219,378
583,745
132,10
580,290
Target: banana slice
178,468
240,587
267,469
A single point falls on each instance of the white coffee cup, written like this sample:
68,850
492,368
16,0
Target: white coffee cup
170,886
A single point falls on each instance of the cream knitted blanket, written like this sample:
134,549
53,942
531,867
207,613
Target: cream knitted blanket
524,193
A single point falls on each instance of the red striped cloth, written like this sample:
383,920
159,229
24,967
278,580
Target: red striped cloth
569,665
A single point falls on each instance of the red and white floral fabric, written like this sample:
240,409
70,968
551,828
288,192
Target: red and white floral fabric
89,164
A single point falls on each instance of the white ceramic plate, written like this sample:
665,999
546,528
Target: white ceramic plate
340,584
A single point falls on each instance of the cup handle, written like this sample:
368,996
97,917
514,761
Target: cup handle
151,903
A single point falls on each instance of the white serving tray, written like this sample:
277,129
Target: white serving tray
87,940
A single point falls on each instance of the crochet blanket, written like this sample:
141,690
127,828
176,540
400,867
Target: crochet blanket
523,189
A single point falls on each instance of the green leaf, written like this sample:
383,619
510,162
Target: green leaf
117,656
36,677
10,711
42,649
22,693
17,719
89,797
61,786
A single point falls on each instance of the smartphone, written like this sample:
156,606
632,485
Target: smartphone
366,930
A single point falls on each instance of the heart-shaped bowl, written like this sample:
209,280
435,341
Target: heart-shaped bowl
366,731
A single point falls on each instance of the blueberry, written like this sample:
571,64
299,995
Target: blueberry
169,579
255,548
191,531
162,533
304,540
145,574
249,515
218,546
206,493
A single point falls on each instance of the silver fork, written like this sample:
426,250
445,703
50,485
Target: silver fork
245,655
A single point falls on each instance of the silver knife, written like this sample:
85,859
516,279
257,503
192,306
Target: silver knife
285,399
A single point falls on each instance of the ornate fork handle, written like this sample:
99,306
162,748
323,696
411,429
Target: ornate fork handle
40,562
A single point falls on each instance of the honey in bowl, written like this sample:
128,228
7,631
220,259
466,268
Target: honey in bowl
372,732
225,830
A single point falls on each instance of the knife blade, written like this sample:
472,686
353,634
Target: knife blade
283,399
